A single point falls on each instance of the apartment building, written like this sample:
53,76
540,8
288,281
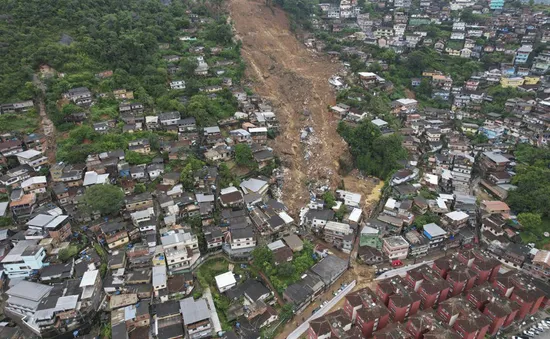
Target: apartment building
340,235
395,247
181,250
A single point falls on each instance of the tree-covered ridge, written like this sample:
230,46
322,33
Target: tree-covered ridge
83,38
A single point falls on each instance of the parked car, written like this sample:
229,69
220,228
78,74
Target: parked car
397,263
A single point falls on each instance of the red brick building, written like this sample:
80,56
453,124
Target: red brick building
442,266
363,308
420,324
459,314
429,285
401,300
393,331
461,278
500,310
333,325
486,268
441,333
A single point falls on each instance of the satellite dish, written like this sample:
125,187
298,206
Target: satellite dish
546,234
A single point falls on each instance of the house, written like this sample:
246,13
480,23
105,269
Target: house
17,107
181,250
225,281
101,127
169,118
214,237
404,106
58,227
334,322
240,240
80,96
522,53
93,178
494,207
339,234
23,258
455,220
10,147
294,242
177,84
34,185
350,199
33,158
395,247
212,134
196,318
317,219
419,245
231,197
140,146
435,234
202,67
114,234
254,185
24,298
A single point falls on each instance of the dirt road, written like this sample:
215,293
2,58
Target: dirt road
295,80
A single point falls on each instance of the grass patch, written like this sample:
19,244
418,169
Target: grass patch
205,275
26,122
536,236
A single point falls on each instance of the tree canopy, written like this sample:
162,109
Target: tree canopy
107,199
243,156
373,153
532,180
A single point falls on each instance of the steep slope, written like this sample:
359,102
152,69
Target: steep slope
296,81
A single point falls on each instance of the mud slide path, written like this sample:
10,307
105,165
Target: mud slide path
295,80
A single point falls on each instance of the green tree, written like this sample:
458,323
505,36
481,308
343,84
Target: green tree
530,221
286,269
425,219
140,188
243,156
373,153
107,199
262,255
226,176
191,166
287,312
135,158
341,212
330,200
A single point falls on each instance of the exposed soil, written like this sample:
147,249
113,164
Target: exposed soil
46,125
295,80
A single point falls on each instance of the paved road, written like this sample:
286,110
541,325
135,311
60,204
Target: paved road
402,270
298,332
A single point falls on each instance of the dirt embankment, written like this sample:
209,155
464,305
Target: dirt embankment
295,80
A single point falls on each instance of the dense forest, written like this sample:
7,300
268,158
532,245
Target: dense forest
83,38
107,45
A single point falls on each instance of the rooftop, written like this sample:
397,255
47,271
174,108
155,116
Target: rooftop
194,310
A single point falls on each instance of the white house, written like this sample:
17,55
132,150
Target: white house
177,84
159,278
350,199
225,281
